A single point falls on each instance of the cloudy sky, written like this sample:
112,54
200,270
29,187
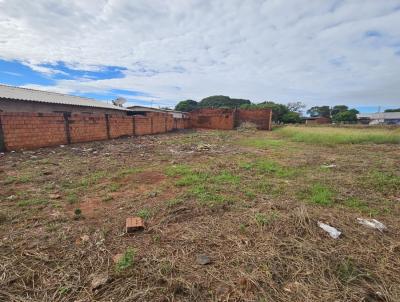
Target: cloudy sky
161,52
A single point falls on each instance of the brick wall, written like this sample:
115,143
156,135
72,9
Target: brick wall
142,125
35,130
120,126
261,117
31,130
213,119
87,128
230,118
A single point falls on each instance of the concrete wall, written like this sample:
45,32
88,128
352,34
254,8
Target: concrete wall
7,105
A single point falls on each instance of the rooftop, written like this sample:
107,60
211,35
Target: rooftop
33,95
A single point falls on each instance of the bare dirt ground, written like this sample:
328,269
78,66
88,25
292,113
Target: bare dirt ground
248,202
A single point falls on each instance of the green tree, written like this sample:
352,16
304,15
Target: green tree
187,106
393,110
221,101
278,110
315,111
296,106
348,116
338,108
291,118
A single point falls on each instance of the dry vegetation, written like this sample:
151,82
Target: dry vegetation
248,200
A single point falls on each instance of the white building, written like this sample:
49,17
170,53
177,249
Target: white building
382,118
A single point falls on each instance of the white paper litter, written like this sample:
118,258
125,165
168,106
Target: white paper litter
333,232
329,166
372,223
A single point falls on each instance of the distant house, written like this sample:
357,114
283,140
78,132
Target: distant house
16,99
383,118
317,120
143,110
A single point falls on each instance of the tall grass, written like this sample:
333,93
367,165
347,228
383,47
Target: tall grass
333,136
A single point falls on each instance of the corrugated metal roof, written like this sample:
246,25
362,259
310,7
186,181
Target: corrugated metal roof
381,115
26,94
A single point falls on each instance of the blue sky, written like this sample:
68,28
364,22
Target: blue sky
160,52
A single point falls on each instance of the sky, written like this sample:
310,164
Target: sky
159,52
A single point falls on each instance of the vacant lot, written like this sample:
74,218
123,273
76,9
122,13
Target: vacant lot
249,201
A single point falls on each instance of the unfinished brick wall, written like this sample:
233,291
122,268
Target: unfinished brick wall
143,125
261,118
230,118
213,119
29,130
35,130
120,126
87,128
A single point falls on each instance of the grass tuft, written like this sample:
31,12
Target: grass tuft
126,260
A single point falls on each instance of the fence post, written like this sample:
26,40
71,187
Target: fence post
66,116
2,140
107,125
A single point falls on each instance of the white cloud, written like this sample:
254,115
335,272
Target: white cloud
315,51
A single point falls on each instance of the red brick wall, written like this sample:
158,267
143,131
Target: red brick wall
142,125
87,128
212,118
120,126
260,117
32,130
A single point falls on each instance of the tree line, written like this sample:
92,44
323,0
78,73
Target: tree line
281,113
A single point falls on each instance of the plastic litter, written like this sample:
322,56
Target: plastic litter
329,166
333,232
372,223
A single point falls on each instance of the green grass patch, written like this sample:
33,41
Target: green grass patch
355,203
126,261
145,214
385,182
333,136
178,170
266,166
113,187
320,194
263,219
31,202
174,202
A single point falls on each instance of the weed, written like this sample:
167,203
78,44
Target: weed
113,187
320,194
271,167
126,260
242,227
333,136
174,202
77,212
355,203
144,214
63,290
92,179
347,271
178,170
385,182
264,219
225,177
31,202
72,197
156,238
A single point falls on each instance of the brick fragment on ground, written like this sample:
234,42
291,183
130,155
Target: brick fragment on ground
134,224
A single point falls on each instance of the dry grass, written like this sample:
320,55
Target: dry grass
249,201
